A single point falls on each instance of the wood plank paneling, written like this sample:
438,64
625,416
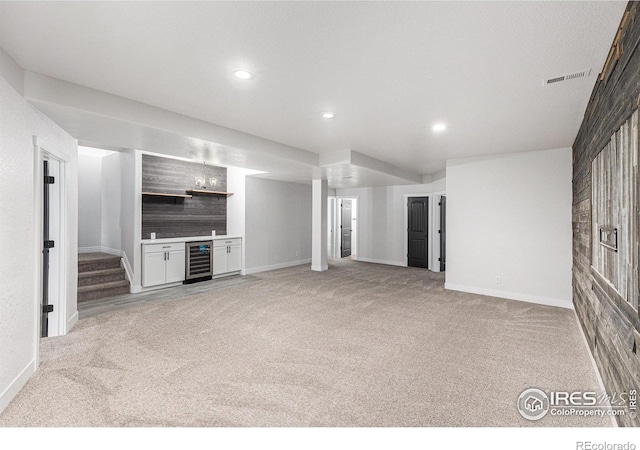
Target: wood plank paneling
608,319
614,178
176,217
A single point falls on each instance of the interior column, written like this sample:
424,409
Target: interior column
320,189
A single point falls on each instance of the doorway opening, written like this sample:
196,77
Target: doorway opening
344,230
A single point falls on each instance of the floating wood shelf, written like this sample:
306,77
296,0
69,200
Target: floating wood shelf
160,194
204,191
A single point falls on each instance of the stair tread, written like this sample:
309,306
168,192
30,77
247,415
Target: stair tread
95,273
103,286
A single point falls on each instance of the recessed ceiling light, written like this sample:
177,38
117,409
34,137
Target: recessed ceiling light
438,127
243,74
328,115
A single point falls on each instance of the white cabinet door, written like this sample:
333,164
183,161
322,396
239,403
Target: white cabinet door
234,260
220,260
153,272
175,266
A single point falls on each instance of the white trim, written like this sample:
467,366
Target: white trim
380,261
434,229
593,364
157,286
18,383
127,269
107,250
277,266
72,321
137,223
548,301
38,226
89,249
320,268
59,287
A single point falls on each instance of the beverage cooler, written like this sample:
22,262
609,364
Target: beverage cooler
199,264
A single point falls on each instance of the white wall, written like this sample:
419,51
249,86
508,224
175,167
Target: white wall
510,216
19,123
278,224
89,200
236,211
236,183
130,200
381,224
111,202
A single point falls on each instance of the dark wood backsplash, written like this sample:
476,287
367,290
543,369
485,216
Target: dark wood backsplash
608,321
171,217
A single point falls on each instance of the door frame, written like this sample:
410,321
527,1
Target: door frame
58,285
440,234
336,226
331,213
435,227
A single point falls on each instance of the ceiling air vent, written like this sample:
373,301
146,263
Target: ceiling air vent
571,76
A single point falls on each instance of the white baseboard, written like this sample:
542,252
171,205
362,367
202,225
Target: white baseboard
115,252
18,383
72,321
548,301
380,261
128,271
89,249
111,251
320,268
99,249
136,289
276,266
107,250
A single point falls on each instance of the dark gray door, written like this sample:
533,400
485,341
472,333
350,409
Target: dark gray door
47,244
443,232
418,220
345,228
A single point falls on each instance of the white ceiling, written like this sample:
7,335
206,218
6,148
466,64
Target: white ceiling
387,69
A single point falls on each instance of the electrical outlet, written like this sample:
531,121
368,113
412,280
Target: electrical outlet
498,280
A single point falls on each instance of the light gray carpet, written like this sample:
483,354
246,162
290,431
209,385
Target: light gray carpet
359,345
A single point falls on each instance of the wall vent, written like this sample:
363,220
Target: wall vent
571,76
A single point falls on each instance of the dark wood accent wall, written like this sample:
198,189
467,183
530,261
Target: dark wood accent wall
607,320
174,217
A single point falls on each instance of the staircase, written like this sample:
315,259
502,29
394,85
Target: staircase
100,276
